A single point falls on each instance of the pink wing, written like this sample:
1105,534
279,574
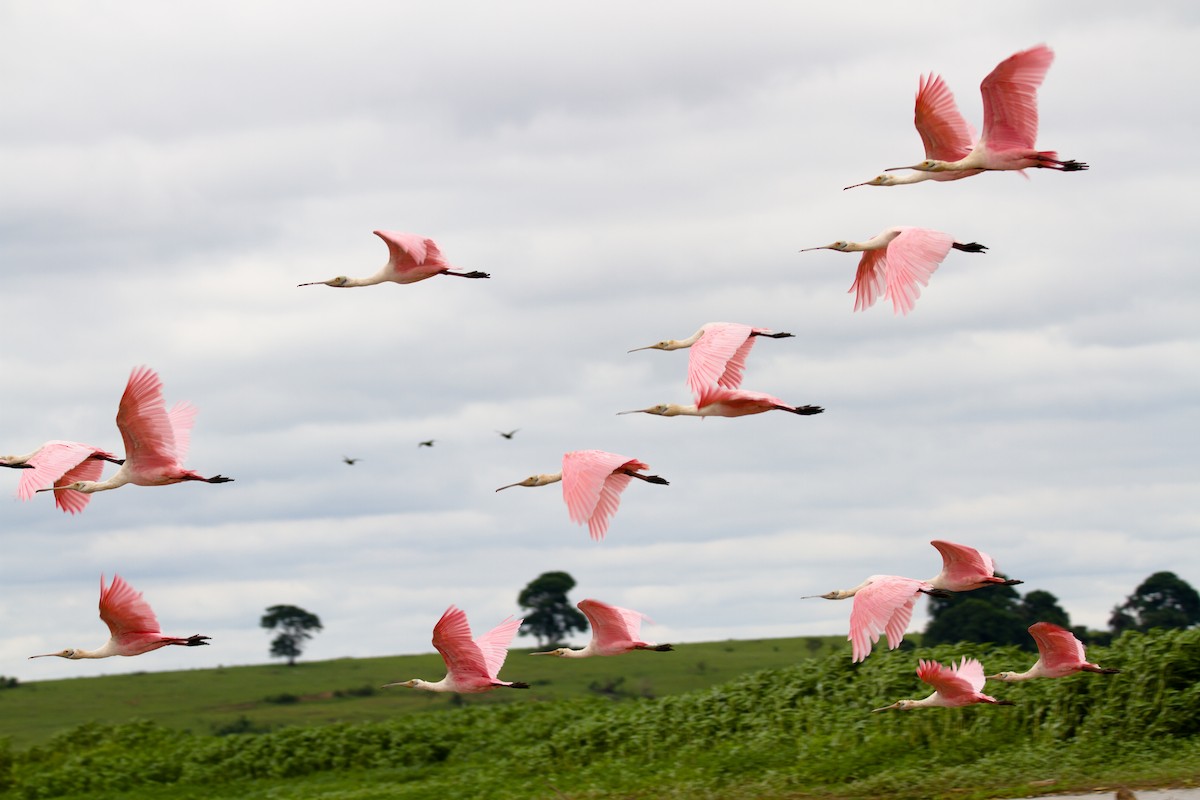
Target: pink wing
944,132
51,461
738,398
72,502
714,358
952,683
123,609
962,565
144,424
591,490
405,250
612,626
912,258
182,417
885,605
494,645
1057,647
869,280
1010,115
452,638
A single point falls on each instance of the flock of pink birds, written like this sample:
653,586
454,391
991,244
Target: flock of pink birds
895,264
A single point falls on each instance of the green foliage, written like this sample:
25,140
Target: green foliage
551,617
805,729
1163,600
996,614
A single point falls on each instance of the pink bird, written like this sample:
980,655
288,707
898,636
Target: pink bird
896,263
1059,654
472,666
592,482
944,132
411,258
953,686
614,631
714,401
131,623
156,441
883,604
717,352
1010,120
60,463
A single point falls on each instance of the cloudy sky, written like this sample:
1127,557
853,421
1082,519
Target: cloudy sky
626,172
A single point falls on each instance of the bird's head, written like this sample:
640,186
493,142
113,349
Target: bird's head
1002,676
415,683
928,165
340,280
562,651
87,487
899,705
665,344
70,652
534,480
836,594
839,245
878,180
662,410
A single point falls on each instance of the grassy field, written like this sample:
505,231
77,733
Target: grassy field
265,697
804,730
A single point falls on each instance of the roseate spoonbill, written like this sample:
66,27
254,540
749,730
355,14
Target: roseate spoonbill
60,463
717,352
1010,120
945,133
592,482
895,261
1059,654
156,441
131,622
714,401
411,258
953,686
509,434
471,666
614,631
884,603
351,461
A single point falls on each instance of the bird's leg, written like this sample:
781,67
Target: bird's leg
17,466
213,479
1001,702
804,411
1099,670
194,640
658,648
513,685
1071,165
943,593
774,335
1009,582
970,247
472,274
646,478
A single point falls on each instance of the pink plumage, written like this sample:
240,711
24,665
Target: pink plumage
953,686
717,352
60,463
615,630
411,258
472,665
133,628
1060,653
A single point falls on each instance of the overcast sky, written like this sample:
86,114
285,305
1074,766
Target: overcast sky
626,172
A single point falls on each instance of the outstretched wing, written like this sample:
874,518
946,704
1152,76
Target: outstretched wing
612,625
912,258
51,461
962,564
72,502
123,609
452,638
494,645
944,132
591,490
950,682
885,605
1057,647
144,423
714,356
1010,114
869,281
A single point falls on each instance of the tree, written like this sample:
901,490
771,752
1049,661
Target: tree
1164,600
992,614
295,624
552,617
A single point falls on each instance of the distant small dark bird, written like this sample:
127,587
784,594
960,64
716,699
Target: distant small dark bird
426,443
351,461
508,435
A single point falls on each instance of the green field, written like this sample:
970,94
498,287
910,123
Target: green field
347,690
802,730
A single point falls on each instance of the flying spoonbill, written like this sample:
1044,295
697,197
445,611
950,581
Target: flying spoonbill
472,665
717,352
614,631
411,258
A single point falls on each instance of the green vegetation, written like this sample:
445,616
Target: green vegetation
799,731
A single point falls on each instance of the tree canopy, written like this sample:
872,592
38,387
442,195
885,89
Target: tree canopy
992,614
1163,600
551,617
295,625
